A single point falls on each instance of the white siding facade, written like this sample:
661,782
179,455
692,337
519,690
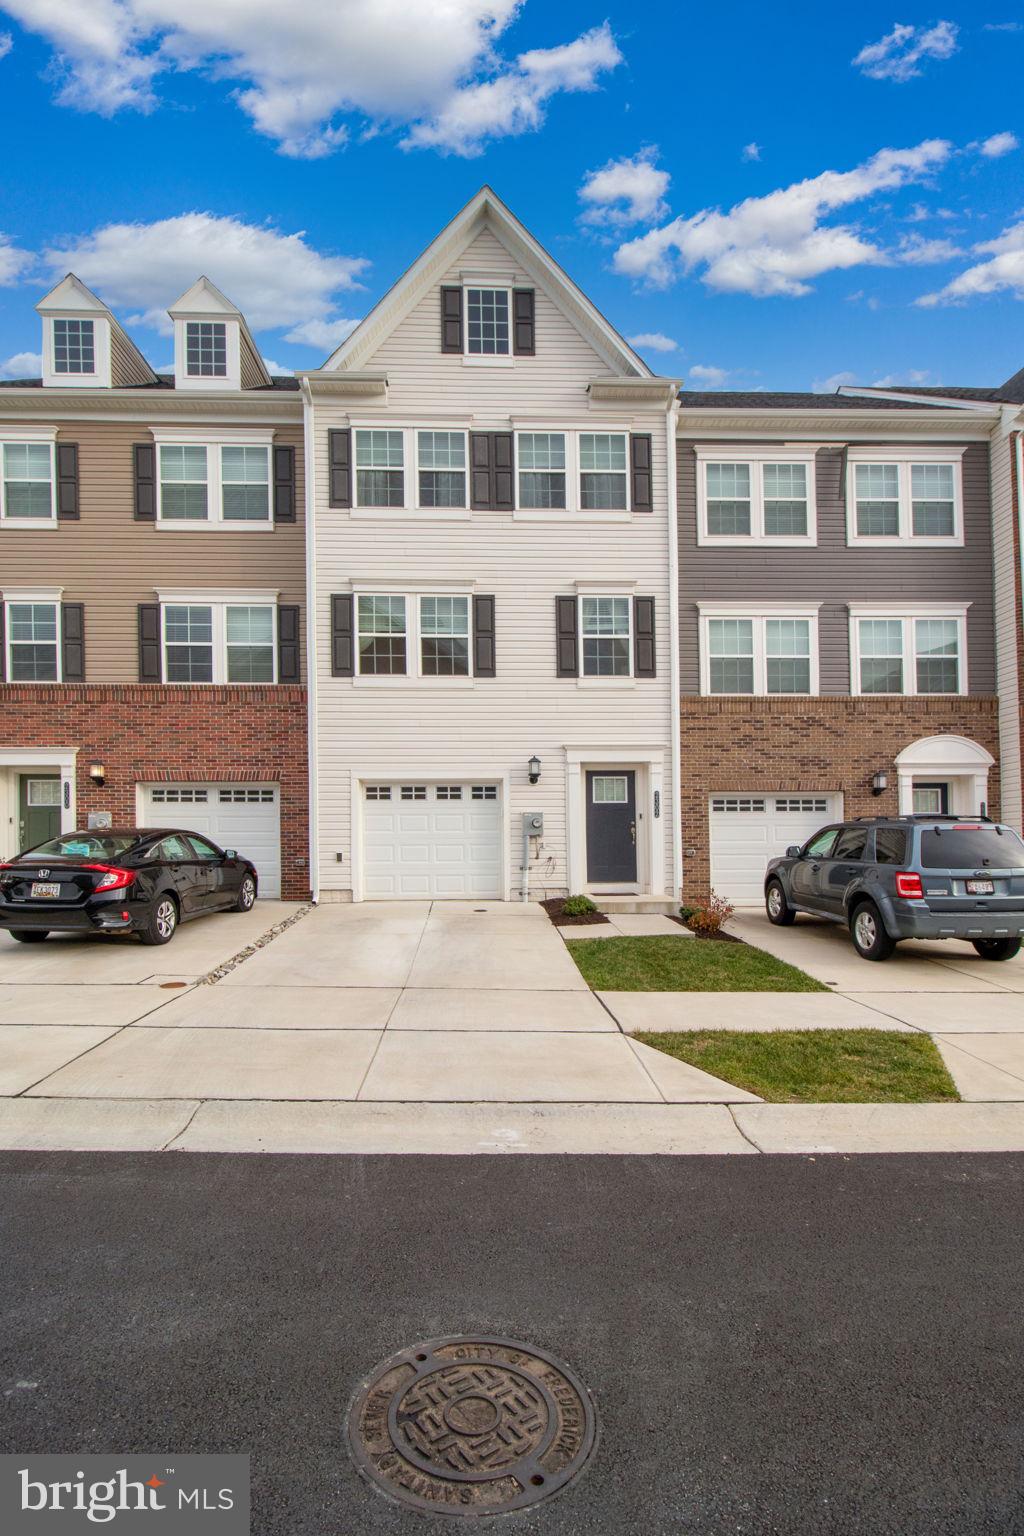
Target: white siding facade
484,730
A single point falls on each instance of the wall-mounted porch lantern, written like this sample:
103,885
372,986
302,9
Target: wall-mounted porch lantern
533,768
98,774
879,783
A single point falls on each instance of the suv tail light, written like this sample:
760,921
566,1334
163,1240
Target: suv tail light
908,883
113,879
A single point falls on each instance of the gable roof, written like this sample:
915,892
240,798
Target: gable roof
486,210
1009,393
205,298
71,296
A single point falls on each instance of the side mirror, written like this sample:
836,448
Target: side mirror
231,853
793,851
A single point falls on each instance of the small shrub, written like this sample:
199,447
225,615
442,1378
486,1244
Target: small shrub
578,906
711,914
686,913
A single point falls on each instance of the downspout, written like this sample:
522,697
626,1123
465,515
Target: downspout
673,646
312,680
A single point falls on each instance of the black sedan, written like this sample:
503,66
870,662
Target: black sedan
121,882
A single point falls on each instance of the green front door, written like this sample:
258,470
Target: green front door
38,808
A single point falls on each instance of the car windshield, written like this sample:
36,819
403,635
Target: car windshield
83,845
962,847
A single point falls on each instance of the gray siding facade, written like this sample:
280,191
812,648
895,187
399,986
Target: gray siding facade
833,574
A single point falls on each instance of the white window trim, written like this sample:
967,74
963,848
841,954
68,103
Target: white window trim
573,511
165,437
100,378
759,613
756,457
51,596
595,679
185,380
903,458
413,674
905,615
444,512
219,602
35,436
488,359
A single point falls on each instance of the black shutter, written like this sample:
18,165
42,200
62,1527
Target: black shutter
339,451
640,468
72,635
3,647
149,643
644,663
284,484
343,654
567,644
484,657
67,480
492,471
451,319
145,482
522,322
288,665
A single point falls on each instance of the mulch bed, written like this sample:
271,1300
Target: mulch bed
555,909
721,937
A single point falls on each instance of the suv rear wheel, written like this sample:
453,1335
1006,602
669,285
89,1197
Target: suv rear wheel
775,904
870,939
29,935
997,949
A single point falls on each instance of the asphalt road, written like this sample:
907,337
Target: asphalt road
775,1345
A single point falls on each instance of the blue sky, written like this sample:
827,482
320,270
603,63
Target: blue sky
716,176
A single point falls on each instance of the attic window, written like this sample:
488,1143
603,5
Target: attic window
487,310
206,349
74,346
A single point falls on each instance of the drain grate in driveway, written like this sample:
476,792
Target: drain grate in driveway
471,1426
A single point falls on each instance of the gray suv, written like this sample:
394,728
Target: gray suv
907,877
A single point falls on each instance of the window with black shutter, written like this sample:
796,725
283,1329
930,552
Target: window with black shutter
342,639
484,657
451,320
523,340
284,483
144,455
492,471
567,650
67,480
339,452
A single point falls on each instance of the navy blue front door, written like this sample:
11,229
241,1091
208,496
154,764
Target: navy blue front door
611,828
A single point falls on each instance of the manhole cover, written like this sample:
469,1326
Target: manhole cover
471,1426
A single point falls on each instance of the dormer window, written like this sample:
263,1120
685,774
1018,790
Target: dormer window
206,349
74,346
487,315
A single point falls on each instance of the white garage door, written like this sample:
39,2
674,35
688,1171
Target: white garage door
431,840
246,817
748,830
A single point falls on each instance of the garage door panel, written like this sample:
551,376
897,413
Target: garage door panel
246,818
448,847
748,830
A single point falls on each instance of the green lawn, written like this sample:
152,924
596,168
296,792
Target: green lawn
818,1066
664,963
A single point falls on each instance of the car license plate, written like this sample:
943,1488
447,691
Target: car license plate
980,887
45,888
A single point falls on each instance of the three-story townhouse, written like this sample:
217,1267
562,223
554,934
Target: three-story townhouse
837,626
491,558
152,587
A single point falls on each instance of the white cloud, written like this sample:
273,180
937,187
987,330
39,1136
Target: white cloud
751,151
1003,26
915,376
14,262
899,55
274,278
654,341
916,251
919,214
998,145
513,102
326,334
831,384
709,376
6,44
299,70
774,244
626,191
23,365
1002,272
278,368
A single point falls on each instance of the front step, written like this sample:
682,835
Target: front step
612,904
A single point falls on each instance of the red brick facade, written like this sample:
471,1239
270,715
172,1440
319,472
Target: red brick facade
166,733
739,745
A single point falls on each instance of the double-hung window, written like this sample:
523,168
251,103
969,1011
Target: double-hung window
424,635
755,495
606,635
33,641
380,467
219,642
441,467
74,346
206,484
759,653
914,653
904,497
27,485
604,481
206,349
542,472
488,330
